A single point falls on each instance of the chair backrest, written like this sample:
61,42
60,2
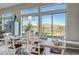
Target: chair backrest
9,43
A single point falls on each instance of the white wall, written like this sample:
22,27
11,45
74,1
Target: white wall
73,22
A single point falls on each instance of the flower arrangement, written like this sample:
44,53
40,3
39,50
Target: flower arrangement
28,27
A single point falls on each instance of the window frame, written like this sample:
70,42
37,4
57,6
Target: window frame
52,5
29,10
4,18
39,14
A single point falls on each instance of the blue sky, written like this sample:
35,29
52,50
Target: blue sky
58,19
53,7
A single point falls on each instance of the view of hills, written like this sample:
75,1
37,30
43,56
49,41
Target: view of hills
58,30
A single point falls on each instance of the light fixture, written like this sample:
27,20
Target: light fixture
29,18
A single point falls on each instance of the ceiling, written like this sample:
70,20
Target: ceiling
5,5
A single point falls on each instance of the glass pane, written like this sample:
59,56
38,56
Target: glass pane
34,23
34,11
25,23
8,22
53,7
25,11
7,14
29,11
46,25
58,7
59,24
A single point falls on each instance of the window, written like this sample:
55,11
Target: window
7,17
7,22
55,20
59,24
46,25
52,24
25,23
29,11
9,14
53,7
34,23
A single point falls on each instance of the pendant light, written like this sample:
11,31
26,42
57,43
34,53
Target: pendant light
29,18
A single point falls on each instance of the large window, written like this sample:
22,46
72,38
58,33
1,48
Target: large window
33,22
59,24
53,24
46,25
7,22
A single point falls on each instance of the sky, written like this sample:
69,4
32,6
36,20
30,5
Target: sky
59,19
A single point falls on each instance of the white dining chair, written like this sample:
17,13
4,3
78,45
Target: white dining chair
10,44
